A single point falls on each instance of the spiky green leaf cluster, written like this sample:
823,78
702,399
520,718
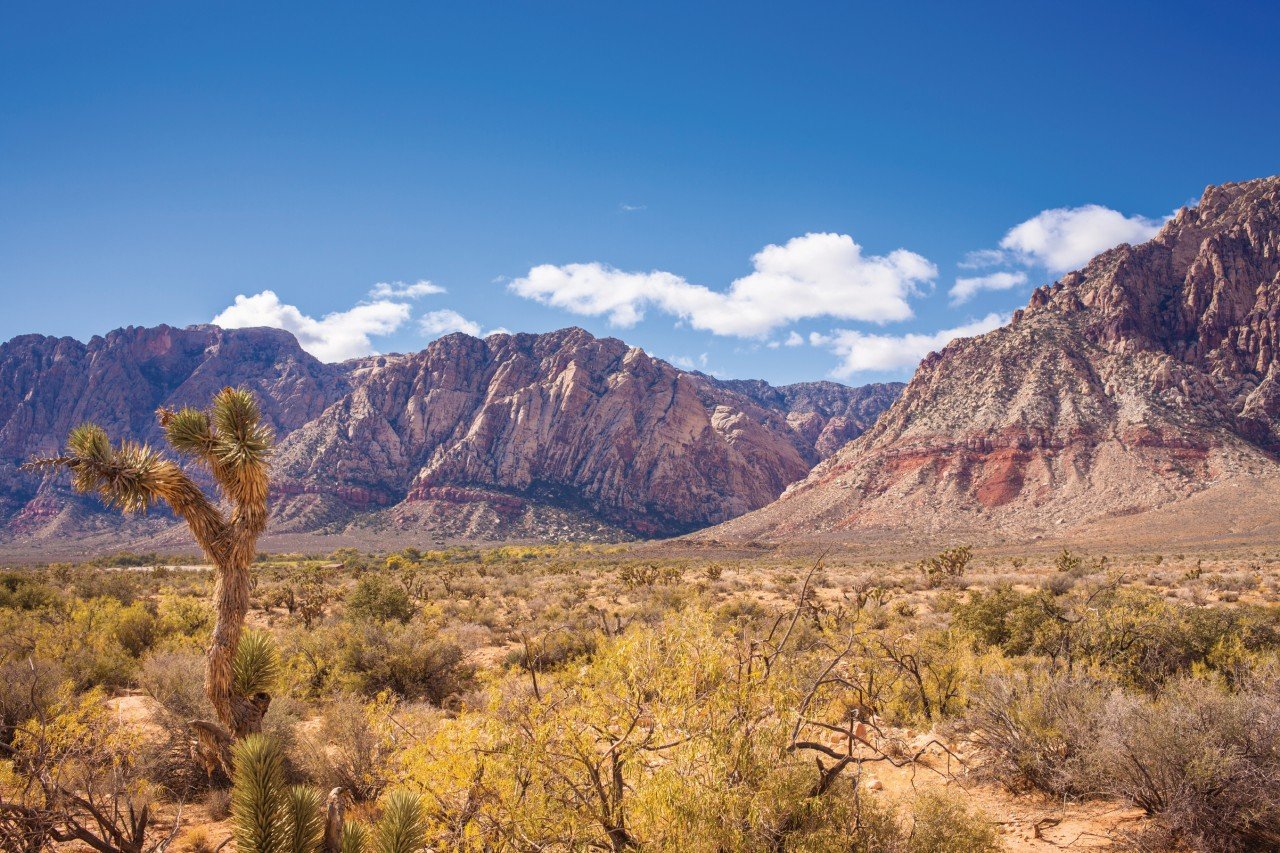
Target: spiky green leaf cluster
131,476
403,825
231,438
304,819
355,837
258,796
241,439
256,664
90,442
188,431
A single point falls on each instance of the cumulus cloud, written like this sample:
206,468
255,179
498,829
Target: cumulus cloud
445,321
1065,238
811,276
334,337
402,290
860,352
794,339
966,288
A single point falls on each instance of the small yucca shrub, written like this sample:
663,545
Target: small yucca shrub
304,820
258,796
402,827
256,664
355,837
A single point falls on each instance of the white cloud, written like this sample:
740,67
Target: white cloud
334,337
685,362
981,258
860,352
401,290
435,324
632,208
811,276
794,339
1065,238
966,288
682,361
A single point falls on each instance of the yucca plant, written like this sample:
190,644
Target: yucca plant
270,817
255,665
258,796
233,444
267,816
304,818
403,825
355,838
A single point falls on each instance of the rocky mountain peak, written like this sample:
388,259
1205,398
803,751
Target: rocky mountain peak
556,434
1140,382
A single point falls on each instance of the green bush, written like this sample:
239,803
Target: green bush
942,824
377,598
408,660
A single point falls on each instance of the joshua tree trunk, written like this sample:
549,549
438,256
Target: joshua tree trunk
230,441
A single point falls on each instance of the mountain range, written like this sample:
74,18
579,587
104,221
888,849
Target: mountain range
1136,397
554,435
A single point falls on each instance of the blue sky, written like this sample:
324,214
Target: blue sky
622,167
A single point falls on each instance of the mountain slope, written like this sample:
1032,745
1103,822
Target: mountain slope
49,385
563,419
1122,391
517,435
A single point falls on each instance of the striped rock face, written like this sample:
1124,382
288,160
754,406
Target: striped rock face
1135,396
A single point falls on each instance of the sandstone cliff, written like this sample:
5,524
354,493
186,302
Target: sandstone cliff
1125,394
517,435
564,419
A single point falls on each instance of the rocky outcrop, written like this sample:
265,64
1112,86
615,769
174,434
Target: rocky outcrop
1125,389
563,419
827,414
49,385
516,435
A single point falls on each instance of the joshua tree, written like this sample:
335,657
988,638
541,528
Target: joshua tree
233,444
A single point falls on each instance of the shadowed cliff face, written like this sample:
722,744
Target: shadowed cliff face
1132,385
513,435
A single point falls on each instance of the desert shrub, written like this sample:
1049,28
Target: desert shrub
28,687
377,598
351,746
74,773
87,644
1204,763
124,587
662,726
27,592
922,675
1002,617
408,660
951,563
553,648
1035,731
942,824
1146,640
183,616
135,628
1058,584
175,680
